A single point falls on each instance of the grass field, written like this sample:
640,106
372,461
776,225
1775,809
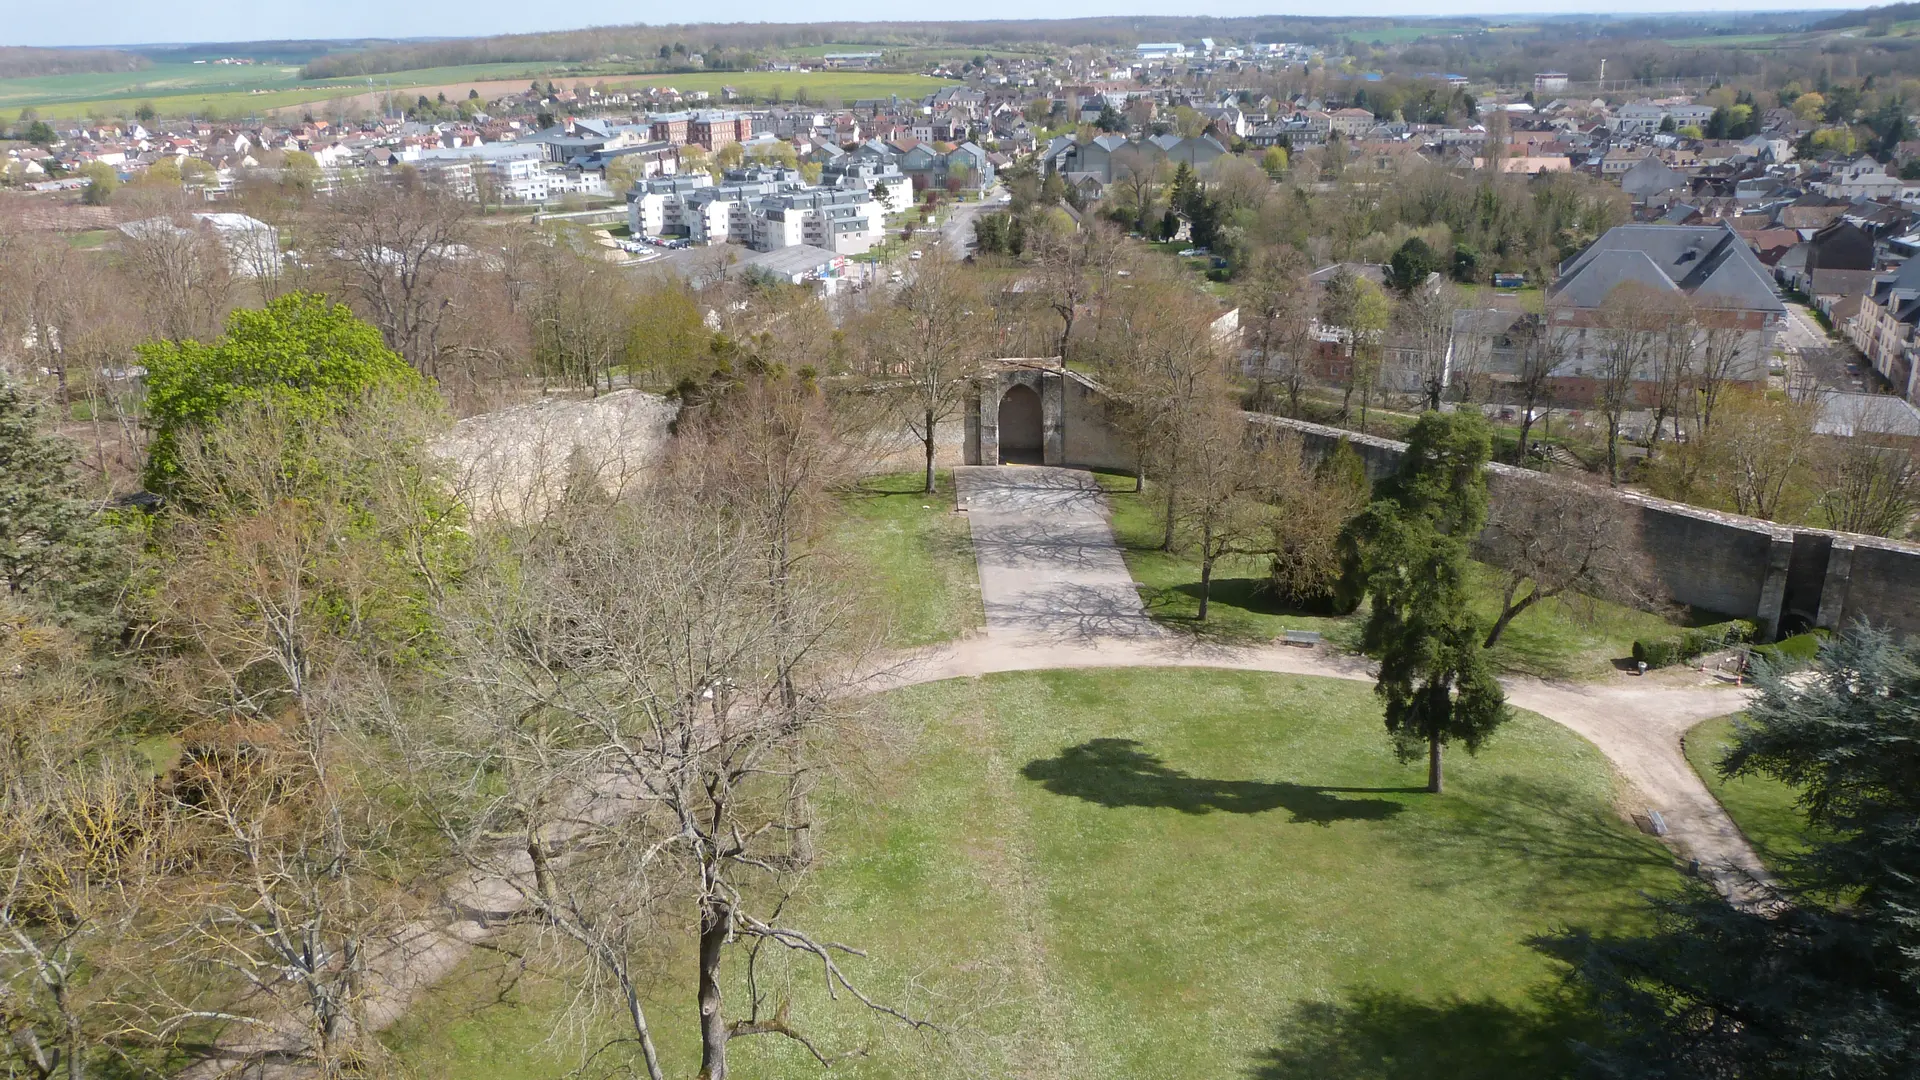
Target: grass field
206,89
916,556
847,86
1146,874
1576,638
1762,807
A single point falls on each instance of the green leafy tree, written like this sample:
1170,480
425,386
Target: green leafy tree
1817,974
1274,161
307,357
1411,549
102,182
39,133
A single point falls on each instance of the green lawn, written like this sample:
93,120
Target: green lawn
1153,874
1762,807
1577,638
916,556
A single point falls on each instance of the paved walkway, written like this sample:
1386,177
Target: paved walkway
1048,563
1058,595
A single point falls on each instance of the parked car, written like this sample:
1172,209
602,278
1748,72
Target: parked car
914,254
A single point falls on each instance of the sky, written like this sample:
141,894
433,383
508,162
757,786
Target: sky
130,22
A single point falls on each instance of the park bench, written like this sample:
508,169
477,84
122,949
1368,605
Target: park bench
1305,638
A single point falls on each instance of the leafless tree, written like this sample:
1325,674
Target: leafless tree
1166,378
394,240
1276,314
1721,358
84,851
1219,507
932,348
1423,322
1539,348
1671,362
182,272
1866,488
1555,538
638,716
1629,332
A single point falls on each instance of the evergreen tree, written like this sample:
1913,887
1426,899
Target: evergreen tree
1411,265
53,547
1410,552
1819,975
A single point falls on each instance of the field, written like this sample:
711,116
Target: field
847,86
1134,874
1762,807
206,89
1577,638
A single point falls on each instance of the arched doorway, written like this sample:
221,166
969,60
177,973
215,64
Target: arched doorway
1021,438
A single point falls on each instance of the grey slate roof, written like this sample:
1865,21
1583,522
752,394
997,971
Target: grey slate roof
1708,262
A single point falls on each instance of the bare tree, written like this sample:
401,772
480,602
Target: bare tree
84,847
394,240
643,715
1167,377
1629,333
1671,363
1555,538
1218,508
182,272
1423,321
1866,488
1277,317
1722,350
932,349
1539,348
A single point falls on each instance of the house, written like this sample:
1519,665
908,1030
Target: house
1883,328
1351,122
1862,178
1651,181
1710,270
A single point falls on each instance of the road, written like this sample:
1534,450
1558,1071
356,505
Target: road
956,236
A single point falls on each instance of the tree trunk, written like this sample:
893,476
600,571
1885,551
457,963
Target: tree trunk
1166,541
1434,784
1206,578
1508,612
713,1024
929,445
1613,451
1526,428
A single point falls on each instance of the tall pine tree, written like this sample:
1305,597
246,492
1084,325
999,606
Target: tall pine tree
1410,555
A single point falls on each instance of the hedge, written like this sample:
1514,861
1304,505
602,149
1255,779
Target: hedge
1796,651
1687,644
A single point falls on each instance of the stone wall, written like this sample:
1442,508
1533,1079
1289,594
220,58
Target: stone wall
1784,578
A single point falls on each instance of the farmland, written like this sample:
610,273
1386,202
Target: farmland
183,89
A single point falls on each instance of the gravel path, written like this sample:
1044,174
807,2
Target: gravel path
1048,563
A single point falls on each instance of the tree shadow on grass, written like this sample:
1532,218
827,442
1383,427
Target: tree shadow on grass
1118,772
1384,1036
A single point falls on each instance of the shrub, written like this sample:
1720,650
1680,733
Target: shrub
1687,644
1796,651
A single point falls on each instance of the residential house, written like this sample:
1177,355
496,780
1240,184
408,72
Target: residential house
1710,270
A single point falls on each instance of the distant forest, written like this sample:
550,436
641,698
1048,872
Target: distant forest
17,62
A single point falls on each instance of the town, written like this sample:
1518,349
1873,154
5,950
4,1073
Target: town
1284,546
